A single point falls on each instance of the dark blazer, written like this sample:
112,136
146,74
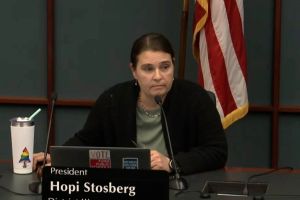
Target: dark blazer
196,132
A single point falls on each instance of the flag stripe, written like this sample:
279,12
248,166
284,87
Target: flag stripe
236,32
199,20
234,75
235,71
218,68
205,71
219,49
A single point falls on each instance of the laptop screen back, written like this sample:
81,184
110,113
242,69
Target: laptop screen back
100,157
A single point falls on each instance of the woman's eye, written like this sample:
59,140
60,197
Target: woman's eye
148,68
165,66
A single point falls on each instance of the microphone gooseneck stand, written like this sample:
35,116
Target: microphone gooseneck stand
36,186
176,182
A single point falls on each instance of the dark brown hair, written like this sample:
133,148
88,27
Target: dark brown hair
150,41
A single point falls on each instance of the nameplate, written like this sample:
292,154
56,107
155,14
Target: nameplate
66,183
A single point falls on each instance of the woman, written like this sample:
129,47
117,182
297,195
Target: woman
127,114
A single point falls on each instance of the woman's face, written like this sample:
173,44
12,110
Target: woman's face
154,72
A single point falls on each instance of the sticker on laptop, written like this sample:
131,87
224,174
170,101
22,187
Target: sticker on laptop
130,163
100,159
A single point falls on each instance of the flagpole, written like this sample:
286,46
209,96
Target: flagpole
183,38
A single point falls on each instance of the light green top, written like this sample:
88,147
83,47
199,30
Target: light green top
149,130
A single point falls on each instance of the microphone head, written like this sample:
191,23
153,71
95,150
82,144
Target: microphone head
158,100
54,96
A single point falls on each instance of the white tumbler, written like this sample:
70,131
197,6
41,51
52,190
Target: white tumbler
22,140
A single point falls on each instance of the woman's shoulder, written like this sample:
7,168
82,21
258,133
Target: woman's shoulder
119,90
188,91
121,86
187,86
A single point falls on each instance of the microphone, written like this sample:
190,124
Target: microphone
246,187
36,186
176,182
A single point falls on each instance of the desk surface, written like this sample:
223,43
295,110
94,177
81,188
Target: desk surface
282,185
14,186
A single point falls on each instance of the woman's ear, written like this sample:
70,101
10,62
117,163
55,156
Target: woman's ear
173,60
132,70
130,66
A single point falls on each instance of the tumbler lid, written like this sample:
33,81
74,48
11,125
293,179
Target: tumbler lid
21,121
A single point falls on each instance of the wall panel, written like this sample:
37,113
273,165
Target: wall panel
249,141
23,48
94,38
290,70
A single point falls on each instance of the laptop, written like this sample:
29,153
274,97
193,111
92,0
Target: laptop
100,157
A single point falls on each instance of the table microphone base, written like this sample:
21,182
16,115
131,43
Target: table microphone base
177,183
35,187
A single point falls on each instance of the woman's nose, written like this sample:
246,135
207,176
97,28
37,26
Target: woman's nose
157,74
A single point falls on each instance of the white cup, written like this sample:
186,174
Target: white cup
22,140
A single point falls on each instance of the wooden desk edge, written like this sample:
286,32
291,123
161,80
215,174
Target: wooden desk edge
259,170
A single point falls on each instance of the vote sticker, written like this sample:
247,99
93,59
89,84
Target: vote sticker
100,159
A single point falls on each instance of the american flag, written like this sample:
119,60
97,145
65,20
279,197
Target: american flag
219,48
